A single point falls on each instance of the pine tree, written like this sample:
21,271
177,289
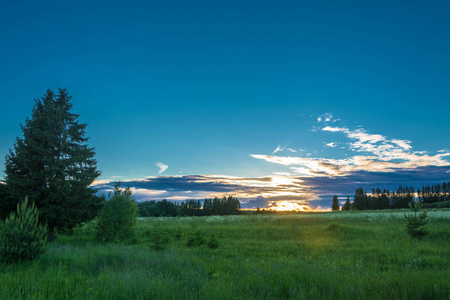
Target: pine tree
7,203
415,222
21,237
335,205
53,165
347,205
359,201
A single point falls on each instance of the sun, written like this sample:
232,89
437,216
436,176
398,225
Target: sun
288,205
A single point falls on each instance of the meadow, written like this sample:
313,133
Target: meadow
342,255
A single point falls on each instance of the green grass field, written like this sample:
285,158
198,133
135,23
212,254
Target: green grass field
353,255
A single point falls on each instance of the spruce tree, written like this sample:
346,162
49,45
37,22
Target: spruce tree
53,165
347,205
335,205
7,204
359,201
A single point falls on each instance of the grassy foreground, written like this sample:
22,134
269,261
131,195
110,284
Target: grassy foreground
353,255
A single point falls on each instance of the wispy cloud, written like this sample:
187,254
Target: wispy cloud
326,117
278,149
162,167
376,153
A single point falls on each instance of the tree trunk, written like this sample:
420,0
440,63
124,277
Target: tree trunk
51,234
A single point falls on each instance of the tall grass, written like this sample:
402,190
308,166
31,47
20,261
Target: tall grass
309,256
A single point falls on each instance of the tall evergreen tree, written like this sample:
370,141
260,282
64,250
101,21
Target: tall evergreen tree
335,204
359,201
53,165
347,205
7,204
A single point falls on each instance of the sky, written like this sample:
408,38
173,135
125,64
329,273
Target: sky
282,104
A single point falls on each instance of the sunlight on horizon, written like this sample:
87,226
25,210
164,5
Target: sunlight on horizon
289,205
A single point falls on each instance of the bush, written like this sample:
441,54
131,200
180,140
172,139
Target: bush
195,238
415,222
159,239
86,229
21,236
117,220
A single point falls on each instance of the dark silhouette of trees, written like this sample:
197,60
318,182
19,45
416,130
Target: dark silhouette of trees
360,199
437,195
335,204
434,193
217,206
347,205
53,165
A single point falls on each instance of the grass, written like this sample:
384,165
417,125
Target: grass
352,255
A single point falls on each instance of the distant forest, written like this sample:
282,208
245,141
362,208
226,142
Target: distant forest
431,196
217,206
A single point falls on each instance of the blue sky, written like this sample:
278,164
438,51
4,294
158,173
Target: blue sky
204,92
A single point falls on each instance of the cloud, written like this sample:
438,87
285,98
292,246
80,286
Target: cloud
326,117
403,144
334,129
162,167
374,153
258,202
292,191
278,149
247,189
309,182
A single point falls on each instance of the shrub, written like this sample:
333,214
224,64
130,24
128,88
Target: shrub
117,220
86,229
415,222
21,236
159,239
195,238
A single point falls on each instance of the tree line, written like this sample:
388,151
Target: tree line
216,206
430,195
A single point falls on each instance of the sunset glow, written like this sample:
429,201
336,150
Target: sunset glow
285,205
282,105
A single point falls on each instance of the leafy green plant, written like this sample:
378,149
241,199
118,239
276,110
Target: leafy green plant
415,222
21,236
117,220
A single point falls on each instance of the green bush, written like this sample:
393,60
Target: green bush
86,229
195,238
21,236
159,238
117,220
415,222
